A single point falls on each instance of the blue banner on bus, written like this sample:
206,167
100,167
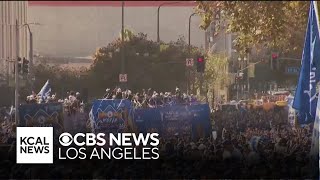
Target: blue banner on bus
110,116
181,120
42,115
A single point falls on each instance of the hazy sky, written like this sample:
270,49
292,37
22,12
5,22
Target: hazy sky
79,30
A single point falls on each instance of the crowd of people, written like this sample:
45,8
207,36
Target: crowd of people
143,99
281,151
288,146
72,102
7,129
52,98
149,98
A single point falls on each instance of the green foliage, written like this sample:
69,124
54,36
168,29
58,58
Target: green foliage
147,64
276,25
216,70
61,79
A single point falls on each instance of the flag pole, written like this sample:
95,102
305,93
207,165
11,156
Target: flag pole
16,92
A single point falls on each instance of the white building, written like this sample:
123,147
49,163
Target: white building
10,11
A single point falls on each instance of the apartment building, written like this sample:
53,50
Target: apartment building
10,11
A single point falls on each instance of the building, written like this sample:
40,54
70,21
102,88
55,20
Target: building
250,73
78,28
10,11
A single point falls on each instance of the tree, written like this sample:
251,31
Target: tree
216,70
145,65
61,79
278,25
216,73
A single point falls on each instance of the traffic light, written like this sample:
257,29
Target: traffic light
274,61
19,65
25,66
238,77
201,64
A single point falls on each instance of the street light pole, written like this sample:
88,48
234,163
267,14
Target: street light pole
122,44
240,85
30,53
158,18
237,84
16,76
248,78
31,59
189,33
189,50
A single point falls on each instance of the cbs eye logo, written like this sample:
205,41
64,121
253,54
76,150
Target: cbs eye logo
65,139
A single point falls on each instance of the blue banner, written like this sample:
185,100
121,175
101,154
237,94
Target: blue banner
182,120
42,115
110,116
315,134
305,100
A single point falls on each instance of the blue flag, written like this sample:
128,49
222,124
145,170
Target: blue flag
45,91
315,134
305,100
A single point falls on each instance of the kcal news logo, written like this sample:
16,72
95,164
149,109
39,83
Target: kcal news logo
34,145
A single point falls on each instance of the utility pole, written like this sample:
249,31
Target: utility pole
237,83
122,45
201,83
31,53
16,92
248,78
158,17
31,59
271,64
189,52
158,24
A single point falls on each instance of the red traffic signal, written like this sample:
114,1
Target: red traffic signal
200,64
200,59
274,55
